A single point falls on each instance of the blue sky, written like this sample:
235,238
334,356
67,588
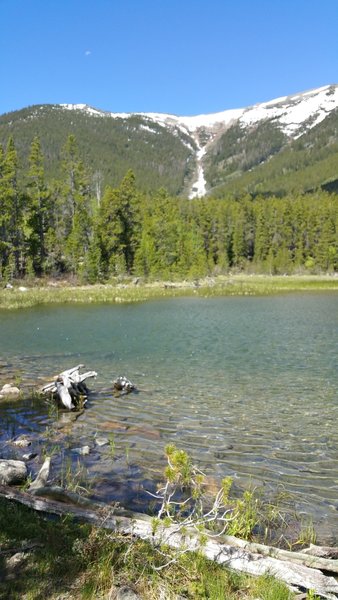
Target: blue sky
183,57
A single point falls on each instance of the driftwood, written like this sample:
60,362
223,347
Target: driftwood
322,551
69,387
231,552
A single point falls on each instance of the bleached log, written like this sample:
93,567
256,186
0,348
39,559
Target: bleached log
64,395
71,372
69,386
49,388
294,575
322,551
303,557
87,375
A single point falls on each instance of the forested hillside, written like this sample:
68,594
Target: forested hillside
63,227
158,156
261,160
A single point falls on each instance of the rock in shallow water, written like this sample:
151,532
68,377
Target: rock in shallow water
9,390
83,451
12,472
101,441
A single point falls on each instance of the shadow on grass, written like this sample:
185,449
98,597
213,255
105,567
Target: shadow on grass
50,566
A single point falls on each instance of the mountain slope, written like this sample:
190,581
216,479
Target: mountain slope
159,157
273,147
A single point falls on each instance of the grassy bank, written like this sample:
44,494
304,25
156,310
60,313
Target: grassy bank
27,295
72,561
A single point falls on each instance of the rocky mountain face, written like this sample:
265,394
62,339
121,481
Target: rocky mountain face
290,143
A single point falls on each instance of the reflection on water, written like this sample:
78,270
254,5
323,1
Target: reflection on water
248,386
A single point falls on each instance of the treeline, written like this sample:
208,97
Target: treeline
65,227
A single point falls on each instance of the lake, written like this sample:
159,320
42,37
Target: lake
247,385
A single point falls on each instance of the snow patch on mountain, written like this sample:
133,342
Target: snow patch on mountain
292,112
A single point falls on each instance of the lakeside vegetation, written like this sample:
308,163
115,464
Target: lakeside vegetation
75,561
44,557
53,292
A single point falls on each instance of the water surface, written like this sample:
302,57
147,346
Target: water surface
248,386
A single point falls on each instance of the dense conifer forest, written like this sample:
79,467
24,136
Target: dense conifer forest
70,226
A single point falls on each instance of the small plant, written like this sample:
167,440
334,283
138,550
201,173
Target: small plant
307,534
311,595
17,378
184,503
112,445
127,450
74,478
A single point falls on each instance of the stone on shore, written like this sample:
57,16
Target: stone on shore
12,472
9,390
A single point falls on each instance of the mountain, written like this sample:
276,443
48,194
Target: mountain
286,144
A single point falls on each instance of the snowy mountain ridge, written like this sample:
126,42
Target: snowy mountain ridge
293,114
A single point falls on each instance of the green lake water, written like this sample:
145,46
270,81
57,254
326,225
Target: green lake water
248,386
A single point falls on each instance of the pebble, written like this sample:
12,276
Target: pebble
123,593
29,455
84,451
22,443
101,441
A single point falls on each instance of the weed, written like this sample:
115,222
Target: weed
74,477
312,596
112,445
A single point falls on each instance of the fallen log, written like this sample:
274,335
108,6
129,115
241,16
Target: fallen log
322,551
239,559
304,557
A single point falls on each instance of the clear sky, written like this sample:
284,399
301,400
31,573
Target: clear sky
183,57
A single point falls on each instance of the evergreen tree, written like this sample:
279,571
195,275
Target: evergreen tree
238,245
119,227
38,217
75,222
11,222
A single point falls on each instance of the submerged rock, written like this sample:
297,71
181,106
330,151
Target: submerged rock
101,441
22,442
83,451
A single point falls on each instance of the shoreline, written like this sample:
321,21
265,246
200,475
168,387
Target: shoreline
127,290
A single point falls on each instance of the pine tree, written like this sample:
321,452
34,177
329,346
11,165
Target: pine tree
238,247
119,227
11,222
75,223
4,214
38,217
